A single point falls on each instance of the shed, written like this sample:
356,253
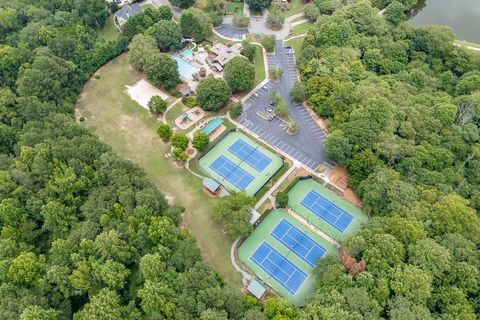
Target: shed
212,186
257,289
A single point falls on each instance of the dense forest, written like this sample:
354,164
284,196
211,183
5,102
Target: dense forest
85,235
403,109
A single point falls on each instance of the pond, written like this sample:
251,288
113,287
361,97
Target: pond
463,16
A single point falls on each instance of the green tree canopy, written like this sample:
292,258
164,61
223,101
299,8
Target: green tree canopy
212,93
162,70
240,74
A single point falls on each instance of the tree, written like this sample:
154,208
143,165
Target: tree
236,110
279,308
249,50
412,283
275,73
167,34
164,132
200,140
38,313
430,257
26,268
182,3
162,232
298,93
157,297
180,140
141,48
311,11
268,42
157,105
196,24
212,93
162,70
106,302
328,6
338,148
395,12
258,5
240,20
234,212
112,273
239,74
165,13
179,154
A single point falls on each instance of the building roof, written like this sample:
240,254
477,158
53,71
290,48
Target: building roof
128,10
211,184
256,288
212,125
224,53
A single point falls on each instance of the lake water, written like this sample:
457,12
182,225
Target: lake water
462,15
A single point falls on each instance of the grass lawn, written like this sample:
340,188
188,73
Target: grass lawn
301,28
174,112
233,7
129,130
296,6
297,46
108,32
214,38
259,66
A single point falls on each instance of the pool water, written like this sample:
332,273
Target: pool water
185,69
187,53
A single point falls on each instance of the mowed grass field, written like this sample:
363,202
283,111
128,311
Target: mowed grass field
119,122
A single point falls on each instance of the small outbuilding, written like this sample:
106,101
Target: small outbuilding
257,289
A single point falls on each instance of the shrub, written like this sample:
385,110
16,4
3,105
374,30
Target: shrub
164,132
236,110
275,73
249,50
282,199
240,20
179,154
275,19
268,42
190,101
180,140
281,109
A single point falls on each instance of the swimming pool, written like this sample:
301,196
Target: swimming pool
185,69
188,53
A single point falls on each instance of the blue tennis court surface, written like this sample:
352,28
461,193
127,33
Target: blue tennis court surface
326,210
301,244
254,158
278,267
231,172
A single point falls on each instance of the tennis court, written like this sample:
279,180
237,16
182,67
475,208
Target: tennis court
240,164
300,243
230,171
281,262
327,211
244,151
278,267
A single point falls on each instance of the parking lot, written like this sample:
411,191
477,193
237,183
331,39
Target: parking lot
307,146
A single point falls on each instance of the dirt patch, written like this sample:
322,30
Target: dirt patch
190,152
170,198
179,164
302,173
339,177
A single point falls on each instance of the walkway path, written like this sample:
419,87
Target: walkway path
163,118
268,195
466,46
313,228
246,277
296,23
294,37
295,16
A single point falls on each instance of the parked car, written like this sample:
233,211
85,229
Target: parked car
269,110
265,88
256,95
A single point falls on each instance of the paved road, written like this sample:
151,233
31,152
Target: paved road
226,30
308,145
